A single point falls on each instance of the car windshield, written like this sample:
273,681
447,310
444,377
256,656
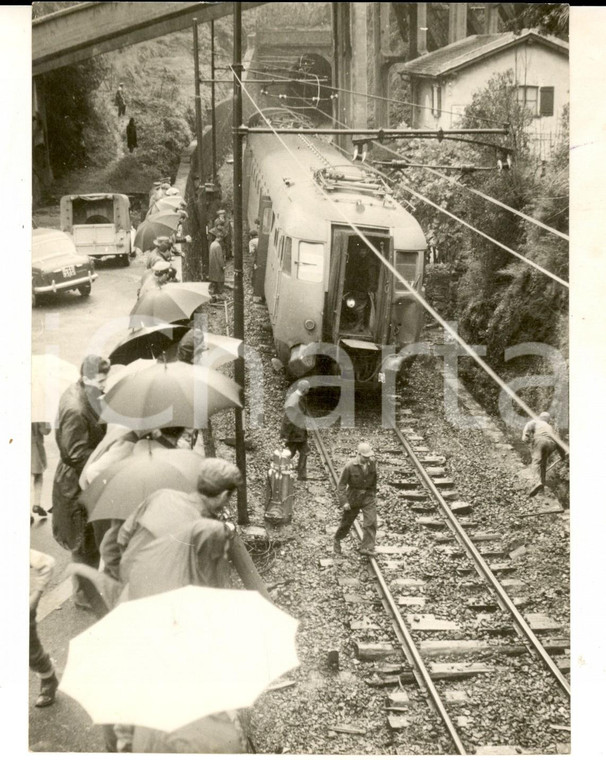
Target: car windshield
52,246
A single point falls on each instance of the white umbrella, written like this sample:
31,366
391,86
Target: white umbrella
169,659
212,350
50,377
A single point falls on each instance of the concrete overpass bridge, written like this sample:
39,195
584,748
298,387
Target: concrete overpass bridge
89,29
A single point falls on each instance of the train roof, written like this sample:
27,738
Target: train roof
289,164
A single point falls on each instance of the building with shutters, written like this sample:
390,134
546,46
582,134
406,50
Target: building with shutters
443,82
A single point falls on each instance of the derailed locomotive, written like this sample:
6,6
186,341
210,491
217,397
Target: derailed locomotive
321,282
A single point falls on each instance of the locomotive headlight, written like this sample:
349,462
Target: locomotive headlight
350,303
309,324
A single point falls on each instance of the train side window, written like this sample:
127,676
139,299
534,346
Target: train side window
311,262
266,220
406,264
287,256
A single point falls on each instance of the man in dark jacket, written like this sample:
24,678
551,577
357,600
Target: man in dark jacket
216,265
120,100
294,430
131,135
78,432
357,491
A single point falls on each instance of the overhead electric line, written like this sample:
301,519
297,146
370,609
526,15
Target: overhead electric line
473,190
489,198
474,229
379,97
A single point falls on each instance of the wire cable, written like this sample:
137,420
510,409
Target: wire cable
473,190
531,263
447,327
380,97
486,197
452,180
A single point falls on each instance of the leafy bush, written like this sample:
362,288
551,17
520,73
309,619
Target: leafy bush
498,300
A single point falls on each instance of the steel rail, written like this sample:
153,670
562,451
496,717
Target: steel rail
412,654
532,642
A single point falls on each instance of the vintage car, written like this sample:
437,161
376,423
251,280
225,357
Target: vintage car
57,266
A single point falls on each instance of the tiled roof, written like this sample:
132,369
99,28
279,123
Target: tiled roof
467,51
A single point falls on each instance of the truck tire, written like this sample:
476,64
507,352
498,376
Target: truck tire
125,259
84,290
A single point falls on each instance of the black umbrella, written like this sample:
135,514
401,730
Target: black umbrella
147,343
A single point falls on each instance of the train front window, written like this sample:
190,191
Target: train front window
406,265
311,262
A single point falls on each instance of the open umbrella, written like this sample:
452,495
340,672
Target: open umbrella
168,203
168,395
170,303
118,371
164,223
209,349
121,487
146,343
50,377
168,659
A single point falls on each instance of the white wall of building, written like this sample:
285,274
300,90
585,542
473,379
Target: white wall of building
533,66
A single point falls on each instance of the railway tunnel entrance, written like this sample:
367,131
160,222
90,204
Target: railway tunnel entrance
313,93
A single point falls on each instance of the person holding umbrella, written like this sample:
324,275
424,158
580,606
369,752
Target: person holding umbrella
160,273
78,431
167,510
162,251
216,265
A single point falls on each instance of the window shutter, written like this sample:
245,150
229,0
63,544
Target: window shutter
546,102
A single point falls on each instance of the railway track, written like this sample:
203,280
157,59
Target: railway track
458,619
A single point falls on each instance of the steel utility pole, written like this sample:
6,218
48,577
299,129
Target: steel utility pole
238,262
212,103
200,191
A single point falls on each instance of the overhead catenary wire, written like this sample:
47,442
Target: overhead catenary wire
496,242
452,180
379,97
486,197
447,327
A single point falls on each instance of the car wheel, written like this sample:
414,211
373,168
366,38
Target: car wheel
85,290
125,259
34,300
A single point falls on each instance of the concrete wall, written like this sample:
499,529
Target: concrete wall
533,65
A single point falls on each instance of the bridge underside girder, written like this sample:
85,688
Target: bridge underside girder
89,29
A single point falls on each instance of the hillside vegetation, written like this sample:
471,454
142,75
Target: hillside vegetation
85,132
498,300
